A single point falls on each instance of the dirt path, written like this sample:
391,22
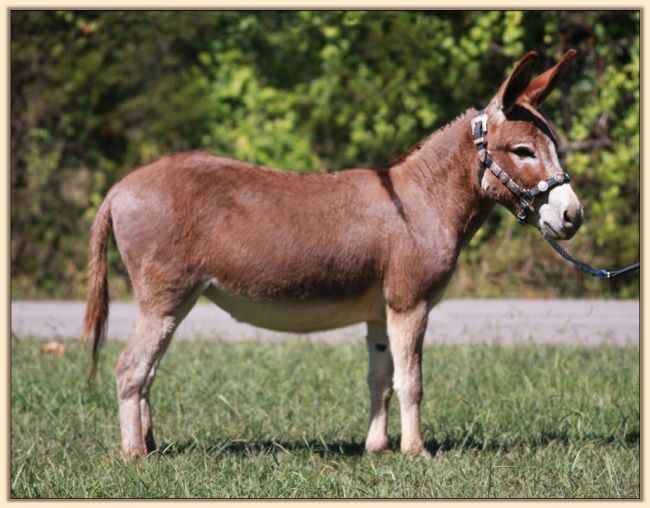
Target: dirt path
591,322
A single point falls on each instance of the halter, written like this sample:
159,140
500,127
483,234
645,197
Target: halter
479,131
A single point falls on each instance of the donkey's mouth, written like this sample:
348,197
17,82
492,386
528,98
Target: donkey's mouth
559,233
549,232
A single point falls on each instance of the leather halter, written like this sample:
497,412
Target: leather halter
479,131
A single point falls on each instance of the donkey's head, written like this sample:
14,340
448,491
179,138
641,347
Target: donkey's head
521,169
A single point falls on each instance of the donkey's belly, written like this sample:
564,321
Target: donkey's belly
299,316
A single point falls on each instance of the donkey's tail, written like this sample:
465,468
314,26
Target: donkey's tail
96,318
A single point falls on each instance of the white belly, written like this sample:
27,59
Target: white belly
299,316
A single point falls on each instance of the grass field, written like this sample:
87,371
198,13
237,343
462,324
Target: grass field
254,420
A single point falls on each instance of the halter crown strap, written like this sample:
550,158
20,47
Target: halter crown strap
525,195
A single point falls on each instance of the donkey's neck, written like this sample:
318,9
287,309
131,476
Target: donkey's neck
445,166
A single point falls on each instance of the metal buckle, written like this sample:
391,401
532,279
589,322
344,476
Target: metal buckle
521,215
523,211
480,120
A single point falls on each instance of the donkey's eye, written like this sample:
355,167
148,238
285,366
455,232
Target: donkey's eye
523,152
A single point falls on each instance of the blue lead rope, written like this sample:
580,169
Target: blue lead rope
601,274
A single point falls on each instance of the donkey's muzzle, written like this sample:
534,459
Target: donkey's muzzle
572,219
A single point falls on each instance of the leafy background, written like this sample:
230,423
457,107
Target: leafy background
96,93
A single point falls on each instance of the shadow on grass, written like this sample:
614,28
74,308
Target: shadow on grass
539,440
356,448
344,448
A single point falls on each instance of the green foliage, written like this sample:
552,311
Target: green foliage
289,419
97,93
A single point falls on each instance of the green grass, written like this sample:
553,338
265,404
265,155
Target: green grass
255,420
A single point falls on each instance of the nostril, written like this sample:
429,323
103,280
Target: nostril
572,217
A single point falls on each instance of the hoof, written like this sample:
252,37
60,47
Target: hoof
152,447
133,455
425,454
420,451
150,442
376,451
376,446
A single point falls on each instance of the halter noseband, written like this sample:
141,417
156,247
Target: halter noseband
479,131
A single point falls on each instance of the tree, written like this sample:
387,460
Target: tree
97,93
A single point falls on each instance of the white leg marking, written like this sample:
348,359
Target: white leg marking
135,372
131,374
145,410
406,332
380,373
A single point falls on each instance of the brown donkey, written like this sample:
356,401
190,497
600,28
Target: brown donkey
305,252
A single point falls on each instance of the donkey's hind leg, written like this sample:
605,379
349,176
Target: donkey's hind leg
135,372
145,409
144,349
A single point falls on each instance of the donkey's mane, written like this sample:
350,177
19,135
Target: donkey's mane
418,146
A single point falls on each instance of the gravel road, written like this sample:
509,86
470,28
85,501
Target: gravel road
588,322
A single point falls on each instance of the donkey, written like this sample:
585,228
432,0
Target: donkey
304,252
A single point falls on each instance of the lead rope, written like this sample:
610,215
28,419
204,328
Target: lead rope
601,274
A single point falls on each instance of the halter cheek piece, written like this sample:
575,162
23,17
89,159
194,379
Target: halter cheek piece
526,196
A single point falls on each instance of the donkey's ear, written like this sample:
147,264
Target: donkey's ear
517,82
540,87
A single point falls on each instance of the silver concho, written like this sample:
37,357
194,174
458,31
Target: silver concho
542,186
559,177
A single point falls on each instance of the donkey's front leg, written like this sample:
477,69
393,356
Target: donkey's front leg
406,333
380,385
